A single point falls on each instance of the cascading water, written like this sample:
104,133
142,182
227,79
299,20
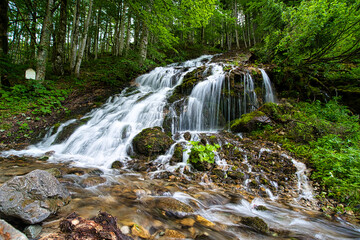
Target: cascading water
202,110
269,95
107,134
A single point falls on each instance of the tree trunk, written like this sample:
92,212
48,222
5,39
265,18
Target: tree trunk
248,29
83,41
96,47
4,21
137,33
44,43
236,25
144,43
116,36
253,32
122,29
128,33
75,36
33,35
4,47
60,40
103,40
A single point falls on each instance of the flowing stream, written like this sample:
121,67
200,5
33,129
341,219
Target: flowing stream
105,135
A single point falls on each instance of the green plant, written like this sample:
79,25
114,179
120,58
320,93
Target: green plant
201,153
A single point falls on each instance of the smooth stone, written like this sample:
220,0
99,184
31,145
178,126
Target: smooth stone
32,231
32,197
9,232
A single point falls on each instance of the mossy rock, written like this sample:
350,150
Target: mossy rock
151,142
256,223
178,154
236,175
277,112
188,83
69,129
117,165
250,122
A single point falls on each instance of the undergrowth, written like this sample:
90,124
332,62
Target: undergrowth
328,137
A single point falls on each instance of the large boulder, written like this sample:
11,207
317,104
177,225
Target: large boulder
151,142
250,122
33,197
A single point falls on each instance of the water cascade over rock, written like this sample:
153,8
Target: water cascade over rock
249,192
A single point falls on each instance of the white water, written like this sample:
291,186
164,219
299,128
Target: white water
269,94
202,111
107,137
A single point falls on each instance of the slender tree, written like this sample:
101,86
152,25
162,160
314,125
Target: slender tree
60,40
3,41
83,40
44,43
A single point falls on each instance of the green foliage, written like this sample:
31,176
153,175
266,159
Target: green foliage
328,135
312,32
42,99
201,153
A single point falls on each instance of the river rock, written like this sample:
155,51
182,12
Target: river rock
256,223
8,232
250,122
33,231
171,206
33,197
178,154
203,221
117,165
55,172
139,231
173,234
92,181
151,142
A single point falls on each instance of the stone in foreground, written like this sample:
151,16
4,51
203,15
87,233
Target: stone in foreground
33,197
9,232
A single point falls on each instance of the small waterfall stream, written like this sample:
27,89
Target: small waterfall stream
106,136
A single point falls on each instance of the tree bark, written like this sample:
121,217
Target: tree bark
4,47
60,40
144,43
96,44
236,25
122,29
83,42
75,36
44,43
128,33
4,21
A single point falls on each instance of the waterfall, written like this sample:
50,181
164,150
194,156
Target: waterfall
269,95
108,131
202,110
250,102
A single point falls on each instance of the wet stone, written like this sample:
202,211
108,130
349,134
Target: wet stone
8,232
92,181
188,222
139,231
203,221
256,223
173,234
32,231
55,172
117,165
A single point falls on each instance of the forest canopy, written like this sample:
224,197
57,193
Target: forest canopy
316,35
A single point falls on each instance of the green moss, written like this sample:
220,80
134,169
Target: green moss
238,124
